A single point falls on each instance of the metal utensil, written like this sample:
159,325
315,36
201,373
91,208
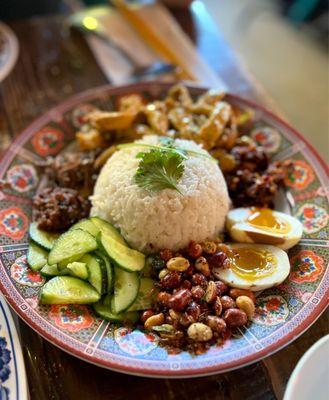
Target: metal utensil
88,24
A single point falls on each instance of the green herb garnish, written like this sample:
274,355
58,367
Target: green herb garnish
179,150
159,169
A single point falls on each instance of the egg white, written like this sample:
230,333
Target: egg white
280,273
242,231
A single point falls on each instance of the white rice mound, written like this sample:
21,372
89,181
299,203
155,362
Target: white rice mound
153,221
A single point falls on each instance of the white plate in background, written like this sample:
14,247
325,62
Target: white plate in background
13,384
310,378
8,50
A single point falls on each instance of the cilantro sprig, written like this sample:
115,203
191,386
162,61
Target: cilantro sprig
159,169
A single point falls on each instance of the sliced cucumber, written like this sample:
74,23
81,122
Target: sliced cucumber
42,238
97,274
71,246
68,290
86,225
52,270
78,269
126,286
36,256
104,312
108,229
109,270
124,257
146,295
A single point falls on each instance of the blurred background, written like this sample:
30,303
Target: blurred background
283,43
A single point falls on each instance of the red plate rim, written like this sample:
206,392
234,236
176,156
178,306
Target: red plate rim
169,373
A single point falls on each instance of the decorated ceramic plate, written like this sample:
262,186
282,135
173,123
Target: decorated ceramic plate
8,50
282,313
13,384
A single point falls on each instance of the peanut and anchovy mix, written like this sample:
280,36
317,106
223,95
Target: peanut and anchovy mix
193,309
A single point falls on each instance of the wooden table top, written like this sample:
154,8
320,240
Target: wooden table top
54,64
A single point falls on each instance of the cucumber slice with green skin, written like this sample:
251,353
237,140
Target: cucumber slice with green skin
108,229
109,271
146,295
71,246
42,238
104,312
126,287
68,290
52,270
86,225
36,256
97,274
78,269
122,256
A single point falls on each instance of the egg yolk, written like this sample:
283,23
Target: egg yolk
265,219
252,263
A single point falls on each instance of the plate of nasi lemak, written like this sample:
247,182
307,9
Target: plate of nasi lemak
163,230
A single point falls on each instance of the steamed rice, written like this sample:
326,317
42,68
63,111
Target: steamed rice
167,219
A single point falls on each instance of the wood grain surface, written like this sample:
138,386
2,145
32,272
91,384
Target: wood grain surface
55,63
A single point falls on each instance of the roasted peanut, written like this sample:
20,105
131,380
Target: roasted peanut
199,279
191,314
218,259
171,280
194,249
157,319
227,302
201,264
163,273
180,299
209,247
221,288
245,304
235,293
163,298
211,292
188,272
193,311
218,308
185,320
178,264
175,315
197,292
199,332
146,314
235,317
186,284
215,323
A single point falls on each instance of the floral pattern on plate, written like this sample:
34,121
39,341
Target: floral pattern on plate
78,114
306,267
267,137
300,176
71,317
23,274
134,342
13,223
22,177
48,141
313,217
271,310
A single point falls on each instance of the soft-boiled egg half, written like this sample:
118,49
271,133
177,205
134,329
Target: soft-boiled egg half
254,266
263,225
